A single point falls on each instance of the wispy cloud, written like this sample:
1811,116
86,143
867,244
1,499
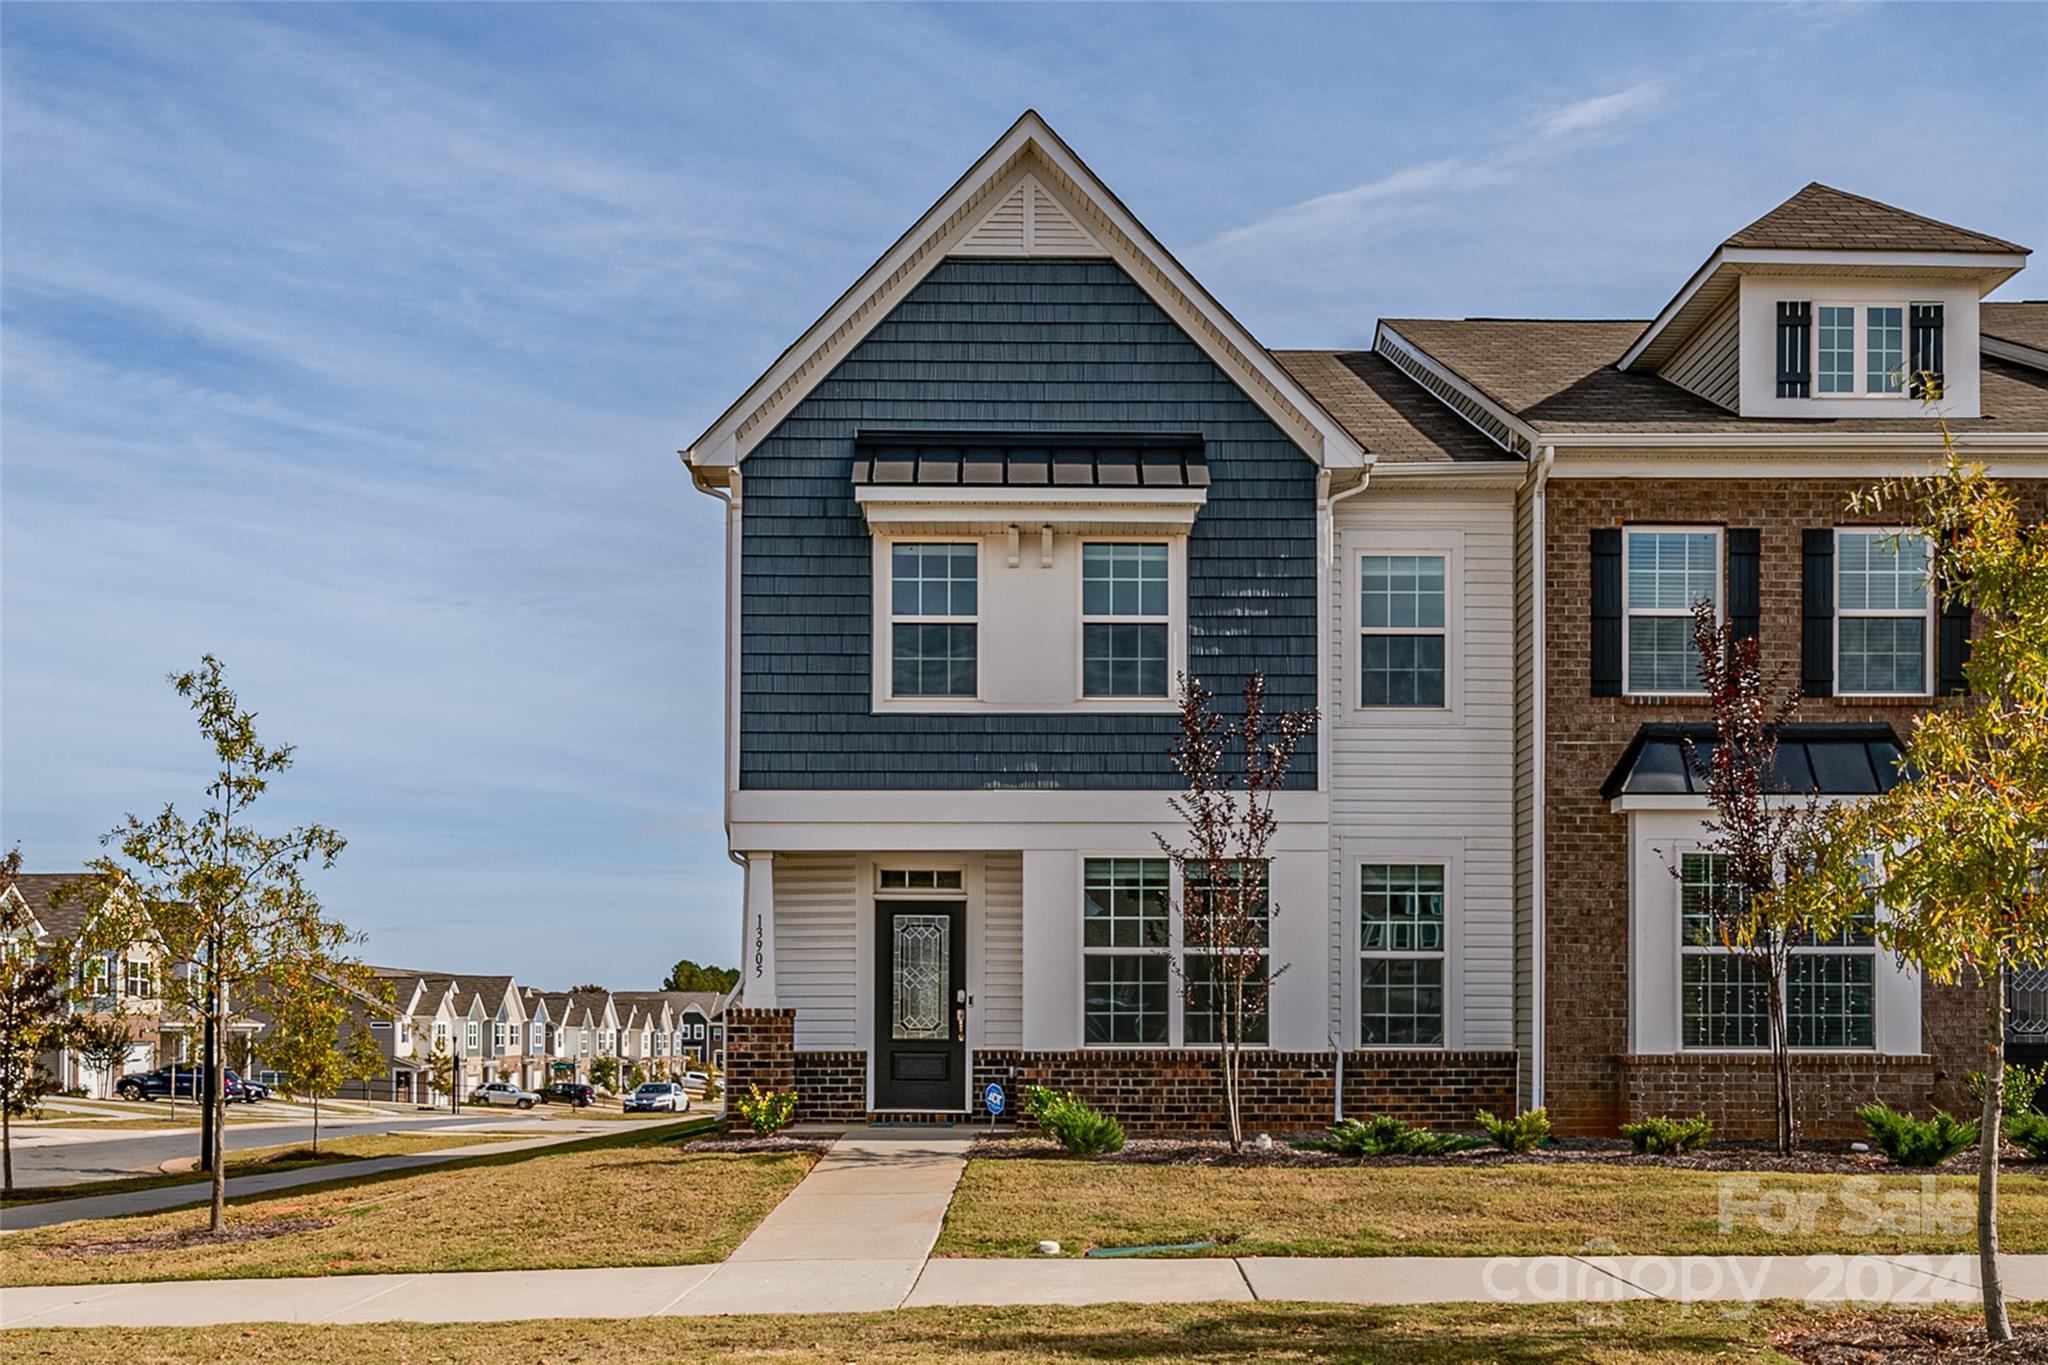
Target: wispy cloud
1343,216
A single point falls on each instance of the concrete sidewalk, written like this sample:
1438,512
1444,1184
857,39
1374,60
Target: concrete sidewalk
808,1285
19,1217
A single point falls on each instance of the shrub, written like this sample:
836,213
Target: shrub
1917,1142
1525,1132
2022,1084
2028,1131
1384,1136
1077,1125
766,1112
1665,1135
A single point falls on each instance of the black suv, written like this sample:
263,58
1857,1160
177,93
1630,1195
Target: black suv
567,1092
181,1081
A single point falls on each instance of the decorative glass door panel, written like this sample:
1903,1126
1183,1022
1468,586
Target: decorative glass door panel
923,953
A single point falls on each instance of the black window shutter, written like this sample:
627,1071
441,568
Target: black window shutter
1952,649
1607,612
1745,581
1817,650
1926,350
1795,350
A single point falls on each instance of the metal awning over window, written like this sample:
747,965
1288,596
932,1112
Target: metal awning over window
982,480
1826,760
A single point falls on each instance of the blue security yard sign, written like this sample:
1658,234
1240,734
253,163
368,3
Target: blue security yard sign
993,1099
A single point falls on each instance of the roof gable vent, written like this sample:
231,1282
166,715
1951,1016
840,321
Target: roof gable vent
1028,220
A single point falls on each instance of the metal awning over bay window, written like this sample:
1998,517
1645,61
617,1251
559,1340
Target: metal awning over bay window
1818,759
949,482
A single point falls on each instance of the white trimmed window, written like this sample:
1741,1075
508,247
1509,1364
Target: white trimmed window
1126,619
1401,941
1402,622
1665,571
1204,1021
1125,928
475,1037
440,1035
1835,350
1884,615
934,602
1831,993
919,878
1884,350
498,1039
1861,350
138,980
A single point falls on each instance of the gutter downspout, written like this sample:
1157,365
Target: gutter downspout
1328,529
732,653
1539,738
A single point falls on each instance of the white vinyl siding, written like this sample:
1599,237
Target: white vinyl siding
1710,364
1408,785
816,943
1002,978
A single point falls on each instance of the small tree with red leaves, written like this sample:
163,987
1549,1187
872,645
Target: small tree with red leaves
1759,835
1226,907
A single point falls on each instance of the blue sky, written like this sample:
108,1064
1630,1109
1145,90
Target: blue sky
354,343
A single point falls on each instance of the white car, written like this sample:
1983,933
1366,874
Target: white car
695,1080
504,1092
658,1097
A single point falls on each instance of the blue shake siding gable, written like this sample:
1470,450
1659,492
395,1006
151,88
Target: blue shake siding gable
1009,345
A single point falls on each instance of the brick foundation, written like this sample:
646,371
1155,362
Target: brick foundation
832,1087
1739,1094
1153,1092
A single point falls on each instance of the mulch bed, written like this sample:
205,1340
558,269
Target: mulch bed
1909,1341
1814,1159
185,1238
781,1142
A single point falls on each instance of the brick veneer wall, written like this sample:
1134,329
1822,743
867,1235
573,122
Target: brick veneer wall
1151,1091
760,1049
1740,1095
832,1087
1586,897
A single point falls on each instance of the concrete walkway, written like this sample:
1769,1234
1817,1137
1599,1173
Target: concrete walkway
856,1236
810,1285
18,1217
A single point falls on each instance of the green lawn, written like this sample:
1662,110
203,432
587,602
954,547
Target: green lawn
262,1160
1005,1207
640,1197
1631,1334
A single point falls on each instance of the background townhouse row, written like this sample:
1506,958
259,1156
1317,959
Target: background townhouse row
1026,470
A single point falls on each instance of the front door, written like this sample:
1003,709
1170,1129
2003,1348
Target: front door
921,1005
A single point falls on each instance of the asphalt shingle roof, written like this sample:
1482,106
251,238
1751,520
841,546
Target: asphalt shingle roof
1823,218
1386,411
2024,323
1560,376
61,916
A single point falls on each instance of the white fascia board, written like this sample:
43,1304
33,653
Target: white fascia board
1625,805
1992,268
914,255
2031,356
1478,474
1457,381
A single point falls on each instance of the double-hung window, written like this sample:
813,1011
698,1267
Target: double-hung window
934,599
1125,923
1219,925
1401,617
475,1036
138,981
1401,968
1126,618
497,1040
1883,614
1830,991
1666,572
1884,350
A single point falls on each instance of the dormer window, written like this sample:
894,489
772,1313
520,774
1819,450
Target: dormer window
1861,350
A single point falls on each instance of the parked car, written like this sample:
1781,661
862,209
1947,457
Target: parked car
246,1089
182,1081
569,1092
658,1096
695,1080
503,1092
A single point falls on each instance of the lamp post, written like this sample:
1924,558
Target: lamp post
455,1084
